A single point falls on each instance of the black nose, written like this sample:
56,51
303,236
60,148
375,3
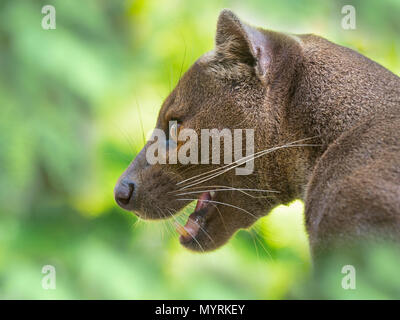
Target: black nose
124,193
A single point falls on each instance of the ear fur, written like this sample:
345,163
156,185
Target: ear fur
242,42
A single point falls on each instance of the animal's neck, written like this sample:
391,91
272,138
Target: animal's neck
335,90
339,88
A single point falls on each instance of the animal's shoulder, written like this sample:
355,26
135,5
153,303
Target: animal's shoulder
373,142
356,182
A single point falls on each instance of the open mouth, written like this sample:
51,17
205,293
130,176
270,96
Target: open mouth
196,222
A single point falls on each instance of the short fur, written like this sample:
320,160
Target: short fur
287,88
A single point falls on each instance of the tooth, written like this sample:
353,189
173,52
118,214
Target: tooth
212,194
181,230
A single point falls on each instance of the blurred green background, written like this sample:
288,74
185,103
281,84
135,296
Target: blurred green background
72,101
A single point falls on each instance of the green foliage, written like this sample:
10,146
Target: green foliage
73,103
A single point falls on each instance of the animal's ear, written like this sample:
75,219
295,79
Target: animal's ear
238,40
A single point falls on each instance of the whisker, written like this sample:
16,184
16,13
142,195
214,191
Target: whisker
141,121
193,237
168,224
183,61
211,176
223,203
228,189
261,243
225,188
207,234
240,160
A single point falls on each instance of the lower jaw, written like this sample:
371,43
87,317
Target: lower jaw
195,229
200,242
208,238
198,235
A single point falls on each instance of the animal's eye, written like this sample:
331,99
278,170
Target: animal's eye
174,131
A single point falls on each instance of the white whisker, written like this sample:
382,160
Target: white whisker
239,161
228,189
225,204
239,164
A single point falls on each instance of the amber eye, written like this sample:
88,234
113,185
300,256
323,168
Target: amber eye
174,131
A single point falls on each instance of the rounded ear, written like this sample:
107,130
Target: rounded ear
243,42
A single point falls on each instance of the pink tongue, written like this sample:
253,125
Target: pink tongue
201,203
192,227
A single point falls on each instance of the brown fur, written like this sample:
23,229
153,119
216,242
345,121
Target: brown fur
287,88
